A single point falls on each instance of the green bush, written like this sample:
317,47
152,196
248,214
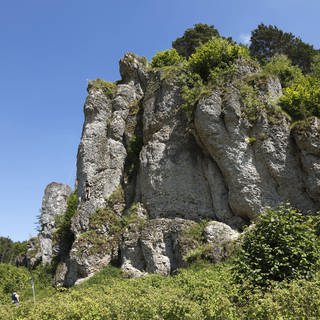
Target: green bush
298,299
12,279
282,245
191,89
281,67
217,54
166,58
302,98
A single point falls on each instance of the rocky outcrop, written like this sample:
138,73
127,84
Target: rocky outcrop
146,175
221,239
43,248
54,203
259,161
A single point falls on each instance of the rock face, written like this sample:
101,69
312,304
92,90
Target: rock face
54,203
146,175
263,173
43,248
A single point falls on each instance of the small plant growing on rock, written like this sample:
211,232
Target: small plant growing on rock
108,88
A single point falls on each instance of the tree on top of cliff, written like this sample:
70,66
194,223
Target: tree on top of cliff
267,41
193,38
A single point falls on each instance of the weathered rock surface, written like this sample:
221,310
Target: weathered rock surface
262,173
54,203
221,238
154,248
137,146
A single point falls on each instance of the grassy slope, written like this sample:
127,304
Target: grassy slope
203,291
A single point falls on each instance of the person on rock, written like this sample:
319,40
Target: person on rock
87,190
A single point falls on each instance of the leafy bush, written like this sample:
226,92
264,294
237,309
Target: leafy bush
216,54
193,38
298,299
12,278
282,245
191,89
302,98
281,67
166,58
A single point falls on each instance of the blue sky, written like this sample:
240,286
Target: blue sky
50,48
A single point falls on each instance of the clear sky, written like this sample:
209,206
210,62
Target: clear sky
50,48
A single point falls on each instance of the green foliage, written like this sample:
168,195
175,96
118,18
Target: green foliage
193,38
108,88
282,245
295,300
64,234
203,291
315,66
267,41
9,250
251,102
116,197
281,67
106,218
11,279
133,151
302,98
166,58
197,293
191,89
251,140
192,243
214,56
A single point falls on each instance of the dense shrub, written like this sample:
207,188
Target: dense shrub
12,278
166,58
217,54
282,245
298,299
203,291
302,98
281,67
193,38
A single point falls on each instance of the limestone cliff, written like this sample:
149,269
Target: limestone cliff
43,248
147,175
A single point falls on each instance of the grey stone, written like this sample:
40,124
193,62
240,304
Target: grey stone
221,238
54,203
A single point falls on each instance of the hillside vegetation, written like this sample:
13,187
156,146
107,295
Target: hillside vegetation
274,275
274,272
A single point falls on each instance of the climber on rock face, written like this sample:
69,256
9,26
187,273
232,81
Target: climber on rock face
87,190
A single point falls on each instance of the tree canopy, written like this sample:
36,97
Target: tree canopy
193,38
9,250
266,41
